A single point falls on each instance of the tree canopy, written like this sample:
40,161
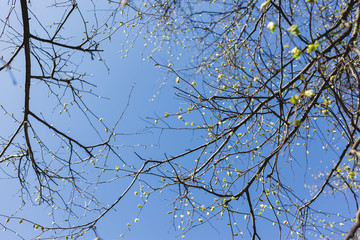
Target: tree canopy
269,90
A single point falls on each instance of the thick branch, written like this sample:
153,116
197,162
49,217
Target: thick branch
352,233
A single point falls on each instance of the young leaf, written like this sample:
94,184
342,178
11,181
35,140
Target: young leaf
271,26
294,30
297,123
309,93
312,47
294,99
264,4
295,52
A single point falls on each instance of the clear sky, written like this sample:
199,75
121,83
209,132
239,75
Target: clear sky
149,98
132,80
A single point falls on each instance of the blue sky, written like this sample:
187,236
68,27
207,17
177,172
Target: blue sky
152,94
147,99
